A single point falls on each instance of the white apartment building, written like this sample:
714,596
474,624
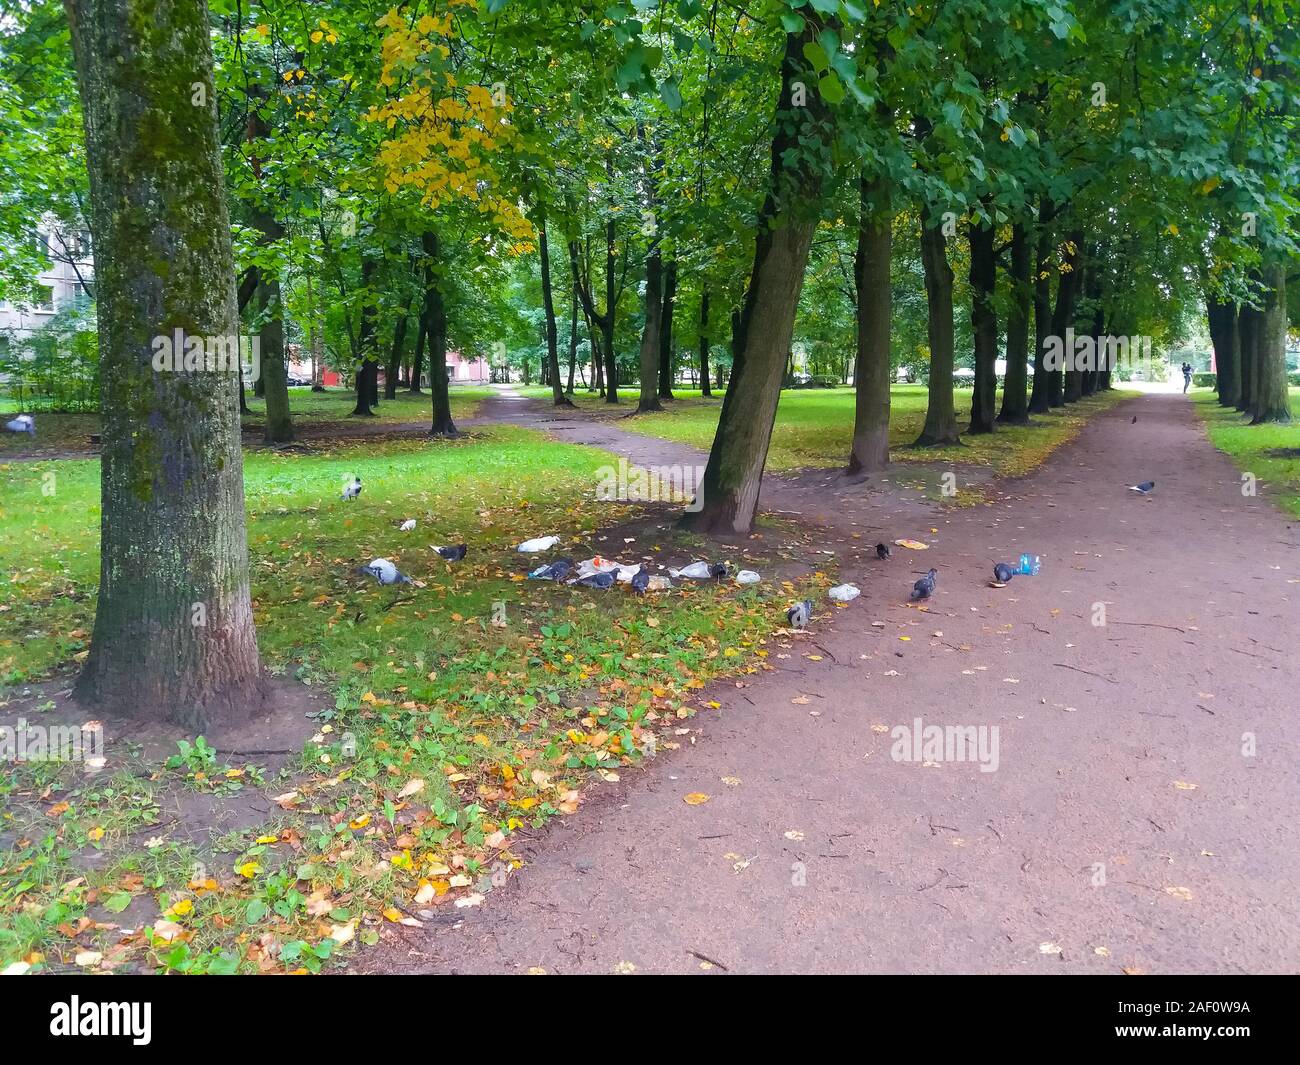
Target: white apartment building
69,269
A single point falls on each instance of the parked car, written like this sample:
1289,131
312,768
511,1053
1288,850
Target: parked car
296,382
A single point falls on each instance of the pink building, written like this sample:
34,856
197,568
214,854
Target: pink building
467,370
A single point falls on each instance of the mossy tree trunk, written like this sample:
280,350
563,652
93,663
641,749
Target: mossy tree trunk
173,635
654,309
869,450
787,219
1271,400
1247,327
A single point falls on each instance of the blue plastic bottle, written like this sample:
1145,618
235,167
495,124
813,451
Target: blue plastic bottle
1029,565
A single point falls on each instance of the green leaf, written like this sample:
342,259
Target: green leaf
117,902
816,55
831,89
671,94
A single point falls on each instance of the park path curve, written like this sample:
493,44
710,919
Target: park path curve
1124,829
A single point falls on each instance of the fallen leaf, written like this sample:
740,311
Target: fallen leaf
695,798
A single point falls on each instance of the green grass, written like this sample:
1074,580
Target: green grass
502,724
814,427
58,431
1253,447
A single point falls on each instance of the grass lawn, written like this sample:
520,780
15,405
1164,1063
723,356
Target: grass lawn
443,736
814,427
60,432
1257,449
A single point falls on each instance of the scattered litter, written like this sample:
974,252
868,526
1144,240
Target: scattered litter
702,571
845,593
24,423
747,576
1029,565
914,545
407,525
541,543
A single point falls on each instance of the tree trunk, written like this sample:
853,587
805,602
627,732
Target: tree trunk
367,374
173,635
395,354
1222,320
1063,314
573,341
435,328
1015,400
984,326
666,331
1247,321
548,306
1040,395
654,309
417,360
272,381
729,492
869,450
705,388
940,414
1272,401
1067,299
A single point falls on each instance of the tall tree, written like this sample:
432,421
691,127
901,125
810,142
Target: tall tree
173,635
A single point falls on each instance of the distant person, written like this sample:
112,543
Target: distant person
1187,376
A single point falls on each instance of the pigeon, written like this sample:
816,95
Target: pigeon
384,572
1002,573
541,543
24,423
1134,421
883,552
452,554
1144,487
640,581
924,588
800,614
353,488
556,571
407,525
597,580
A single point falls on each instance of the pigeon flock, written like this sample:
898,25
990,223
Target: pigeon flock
599,573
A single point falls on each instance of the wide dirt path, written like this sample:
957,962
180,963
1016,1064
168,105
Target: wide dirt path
1127,826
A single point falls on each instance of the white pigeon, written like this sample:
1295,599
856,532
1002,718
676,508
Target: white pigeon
407,525
24,423
385,572
353,488
541,543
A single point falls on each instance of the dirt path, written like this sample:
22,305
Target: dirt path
1123,828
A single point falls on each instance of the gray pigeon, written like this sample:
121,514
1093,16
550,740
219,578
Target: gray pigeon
384,572
640,581
556,571
800,614
597,580
924,588
1144,487
452,554
883,552
1002,573
353,488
